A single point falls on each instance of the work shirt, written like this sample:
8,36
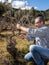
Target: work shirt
41,36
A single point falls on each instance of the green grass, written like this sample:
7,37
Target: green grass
22,49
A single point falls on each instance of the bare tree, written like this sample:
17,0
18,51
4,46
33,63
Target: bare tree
11,46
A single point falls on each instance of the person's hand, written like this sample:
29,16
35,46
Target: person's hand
18,26
22,36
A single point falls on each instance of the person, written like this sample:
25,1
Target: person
40,51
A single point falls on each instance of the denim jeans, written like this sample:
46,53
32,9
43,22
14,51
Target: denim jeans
37,54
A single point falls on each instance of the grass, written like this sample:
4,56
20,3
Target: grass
22,49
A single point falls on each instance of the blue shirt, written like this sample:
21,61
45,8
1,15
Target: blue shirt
41,35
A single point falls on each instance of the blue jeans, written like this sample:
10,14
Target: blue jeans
37,54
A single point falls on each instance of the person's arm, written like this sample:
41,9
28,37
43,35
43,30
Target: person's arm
32,33
18,26
40,32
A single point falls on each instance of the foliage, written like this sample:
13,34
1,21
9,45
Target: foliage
2,8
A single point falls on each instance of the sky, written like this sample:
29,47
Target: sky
39,4
27,4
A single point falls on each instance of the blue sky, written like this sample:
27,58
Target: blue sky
37,4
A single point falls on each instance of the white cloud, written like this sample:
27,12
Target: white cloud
9,1
20,4
27,8
0,0
35,7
